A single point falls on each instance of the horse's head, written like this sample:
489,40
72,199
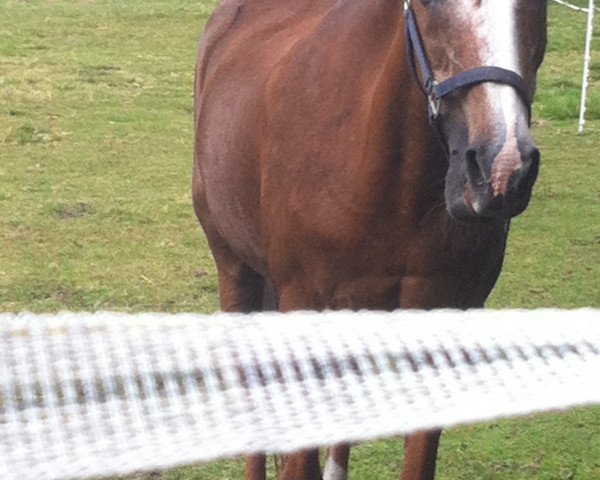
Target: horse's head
484,120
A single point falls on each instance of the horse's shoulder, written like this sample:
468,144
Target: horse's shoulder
254,15
259,32
221,20
217,27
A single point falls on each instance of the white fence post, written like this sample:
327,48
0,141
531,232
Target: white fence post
586,65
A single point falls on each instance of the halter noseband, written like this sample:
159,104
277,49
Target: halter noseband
435,91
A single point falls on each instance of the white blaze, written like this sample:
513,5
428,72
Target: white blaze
494,24
499,32
499,29
499,24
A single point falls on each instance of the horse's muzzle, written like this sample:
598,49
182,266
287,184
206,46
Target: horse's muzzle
499,189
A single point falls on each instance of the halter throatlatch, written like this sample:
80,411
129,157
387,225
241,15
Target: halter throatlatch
435,91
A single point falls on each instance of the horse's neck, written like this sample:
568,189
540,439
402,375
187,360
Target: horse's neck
403,164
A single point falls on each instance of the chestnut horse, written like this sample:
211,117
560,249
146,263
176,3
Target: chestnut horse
325,179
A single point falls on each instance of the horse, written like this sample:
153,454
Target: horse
354,154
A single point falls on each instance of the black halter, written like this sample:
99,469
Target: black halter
435,91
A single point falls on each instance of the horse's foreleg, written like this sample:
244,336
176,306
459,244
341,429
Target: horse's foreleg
336,467
302,466
420,454
256,467
241,289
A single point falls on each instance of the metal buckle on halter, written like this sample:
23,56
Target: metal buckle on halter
406,5
432,97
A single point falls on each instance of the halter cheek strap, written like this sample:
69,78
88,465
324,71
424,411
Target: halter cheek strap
435,91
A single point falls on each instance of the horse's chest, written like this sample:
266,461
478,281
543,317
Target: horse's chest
386,270
408,291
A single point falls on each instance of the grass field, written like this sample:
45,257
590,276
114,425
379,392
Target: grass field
95,209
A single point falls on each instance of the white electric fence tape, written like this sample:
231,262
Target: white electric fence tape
89,395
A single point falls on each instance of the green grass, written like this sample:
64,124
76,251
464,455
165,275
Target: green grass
96,144
95,207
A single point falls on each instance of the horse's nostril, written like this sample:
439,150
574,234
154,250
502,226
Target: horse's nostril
474,173
534,155
534,168
527,176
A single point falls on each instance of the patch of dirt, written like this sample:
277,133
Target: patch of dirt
76,210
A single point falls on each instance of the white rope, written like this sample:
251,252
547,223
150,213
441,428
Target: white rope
91,395
573,7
